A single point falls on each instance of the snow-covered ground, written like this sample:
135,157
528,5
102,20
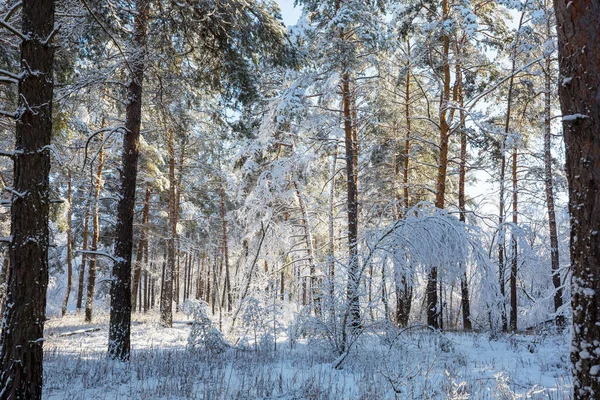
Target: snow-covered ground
413,365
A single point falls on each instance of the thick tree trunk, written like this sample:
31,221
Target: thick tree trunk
579,58
69,246
23,323
91,288
120,291
141,250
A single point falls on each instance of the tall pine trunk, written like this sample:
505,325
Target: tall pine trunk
23,323
579,92
120,291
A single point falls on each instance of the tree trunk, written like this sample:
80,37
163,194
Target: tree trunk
433,309
404,290
462,173
225,249
4,283
91,288
84,247
554,256
120,291
514,261
166,301
352,206
69,246
579,58
141,250
314,291
23,323
331,237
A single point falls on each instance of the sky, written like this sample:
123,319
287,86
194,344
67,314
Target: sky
289,13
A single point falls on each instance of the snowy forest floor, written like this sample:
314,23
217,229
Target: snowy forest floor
415,365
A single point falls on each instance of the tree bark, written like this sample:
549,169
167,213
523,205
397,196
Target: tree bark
579,92
23,323
120,291
4,283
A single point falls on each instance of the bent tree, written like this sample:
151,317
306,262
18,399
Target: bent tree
23,323
579,91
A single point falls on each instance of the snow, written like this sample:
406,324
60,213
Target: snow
574,117
382,365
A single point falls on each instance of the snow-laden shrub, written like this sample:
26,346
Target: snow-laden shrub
204,336
257,316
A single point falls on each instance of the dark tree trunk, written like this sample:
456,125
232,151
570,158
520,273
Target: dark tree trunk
120,291
404,293
579,58
23,323
69,246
